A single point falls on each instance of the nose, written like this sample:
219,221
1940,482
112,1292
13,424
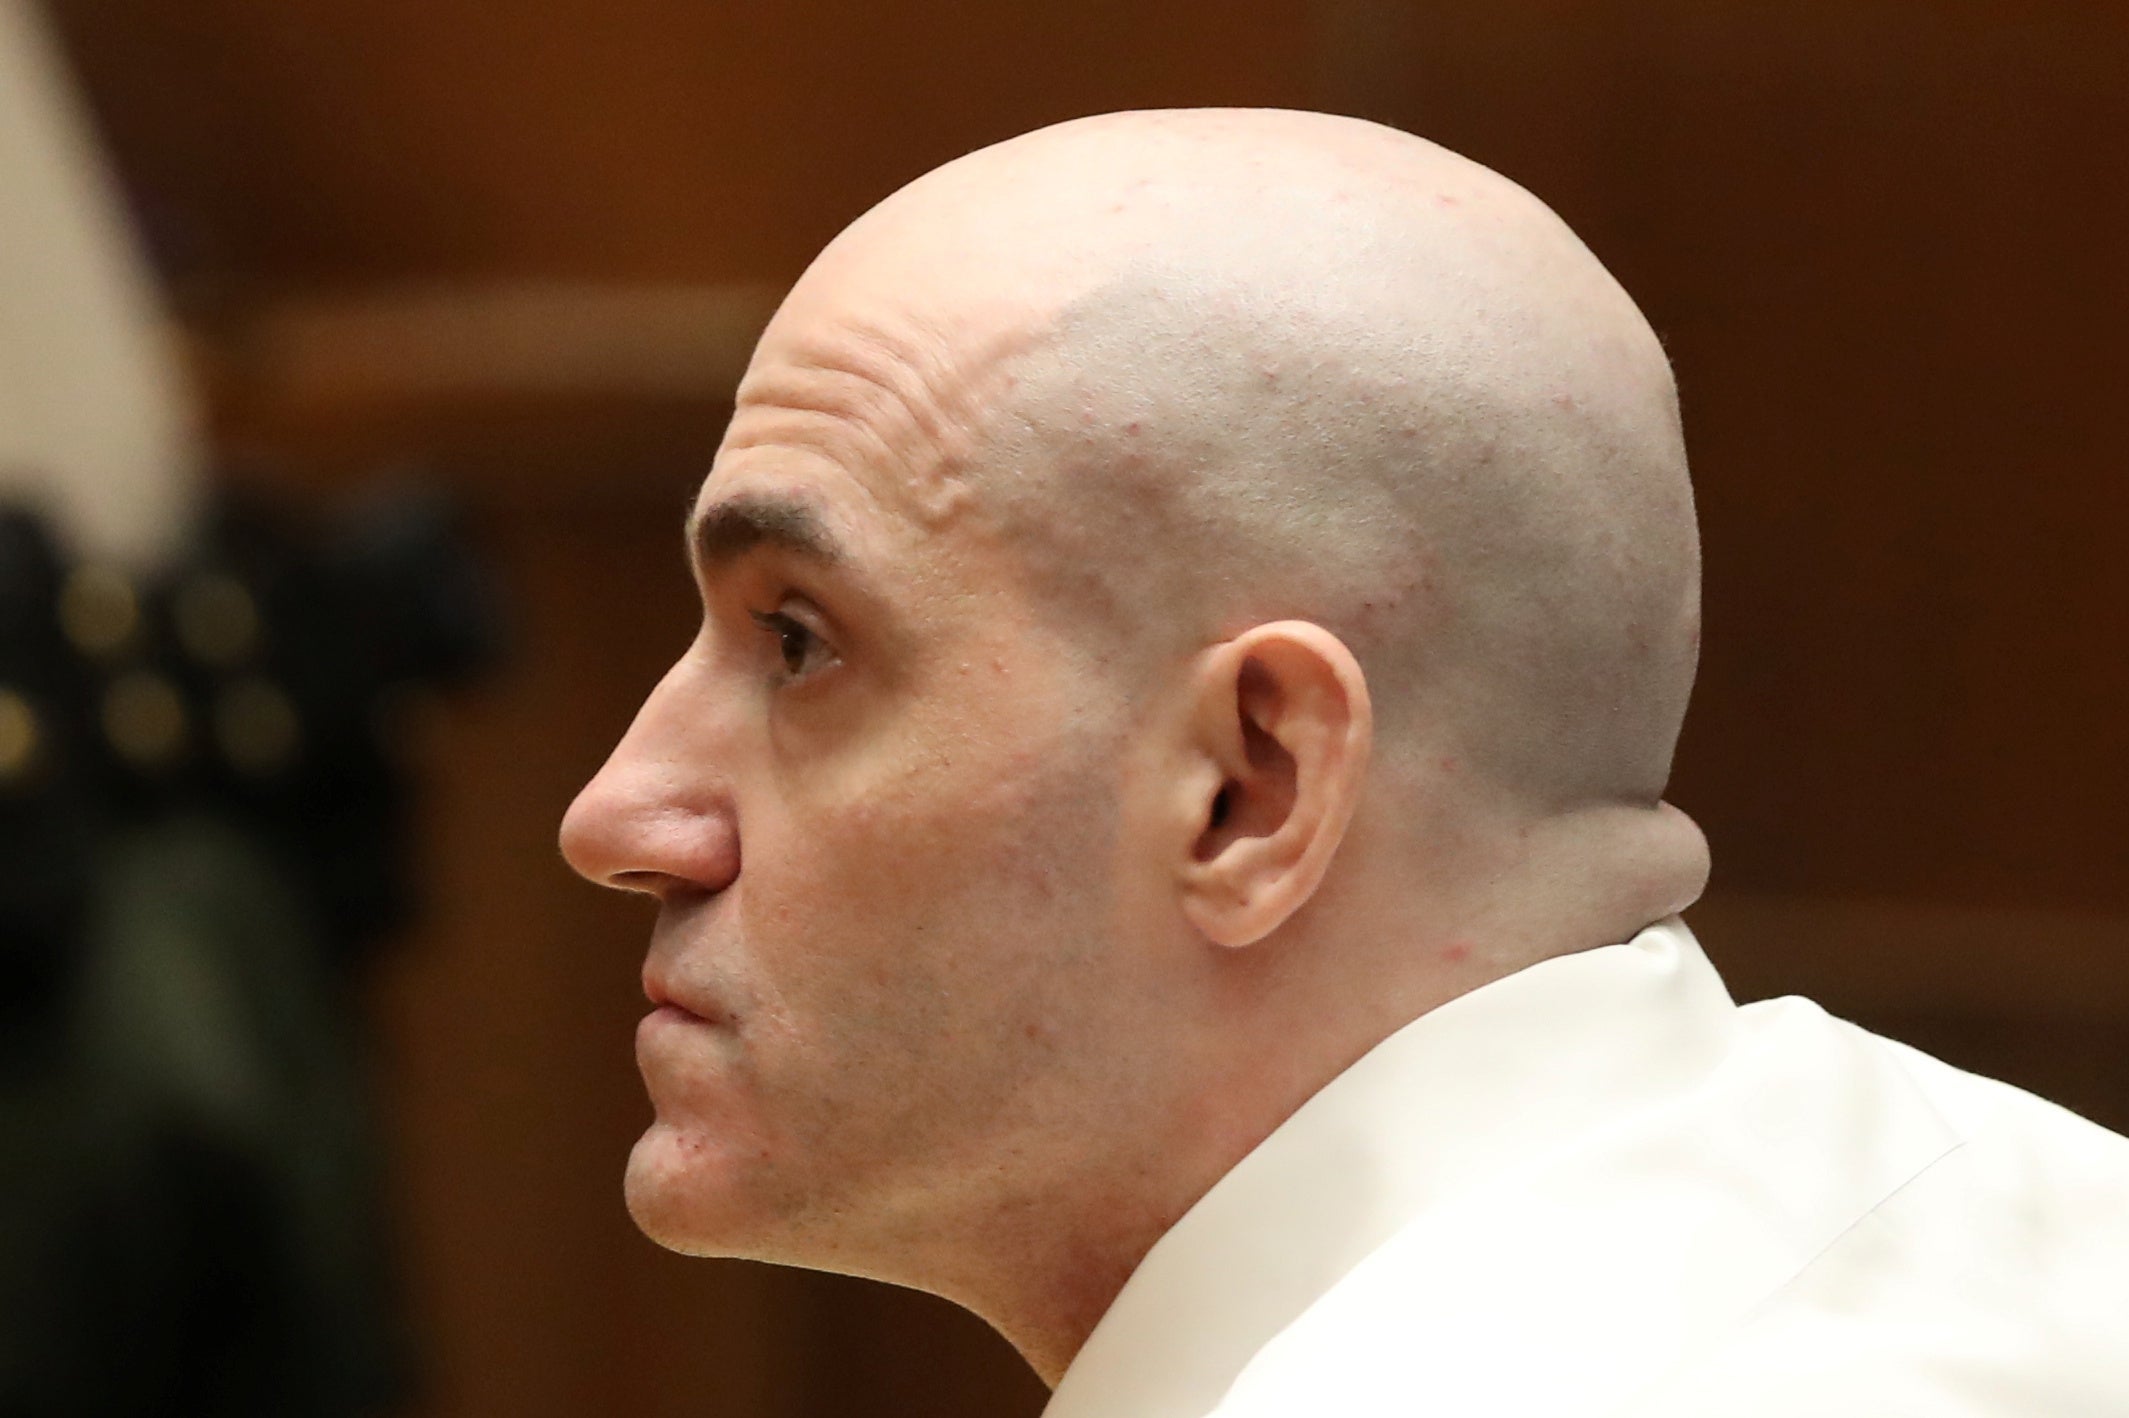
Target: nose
659,816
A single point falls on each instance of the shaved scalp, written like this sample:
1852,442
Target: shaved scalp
1288,606
1245,365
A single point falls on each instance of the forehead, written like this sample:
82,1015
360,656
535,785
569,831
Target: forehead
864,420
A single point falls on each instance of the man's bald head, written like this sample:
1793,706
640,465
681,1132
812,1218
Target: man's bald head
1213,368
1172,582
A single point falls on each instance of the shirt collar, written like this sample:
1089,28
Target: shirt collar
1493,1078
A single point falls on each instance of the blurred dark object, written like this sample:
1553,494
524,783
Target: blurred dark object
202,828
46,858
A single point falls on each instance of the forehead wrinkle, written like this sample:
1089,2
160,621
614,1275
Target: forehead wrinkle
906,395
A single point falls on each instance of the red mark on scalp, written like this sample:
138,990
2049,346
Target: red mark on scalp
1456,952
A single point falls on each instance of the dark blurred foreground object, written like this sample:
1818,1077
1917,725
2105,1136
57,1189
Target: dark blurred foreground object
201,831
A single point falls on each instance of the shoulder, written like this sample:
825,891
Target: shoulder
1836,1225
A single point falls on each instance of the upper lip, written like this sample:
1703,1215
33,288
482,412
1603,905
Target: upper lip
659,991
665,980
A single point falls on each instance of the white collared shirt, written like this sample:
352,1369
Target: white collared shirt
1598,1186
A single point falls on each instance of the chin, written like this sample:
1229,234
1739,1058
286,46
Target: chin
682,1193
689,1194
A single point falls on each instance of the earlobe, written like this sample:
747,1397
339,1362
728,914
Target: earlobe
1282,714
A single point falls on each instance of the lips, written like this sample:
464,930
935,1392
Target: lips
663,996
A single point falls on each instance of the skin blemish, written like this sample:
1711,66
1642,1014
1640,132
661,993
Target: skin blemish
1456,952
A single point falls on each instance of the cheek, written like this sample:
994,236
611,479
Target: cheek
974,796
1013,827
940,894
905,864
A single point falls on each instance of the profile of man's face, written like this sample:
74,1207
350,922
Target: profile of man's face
875,800
1027,842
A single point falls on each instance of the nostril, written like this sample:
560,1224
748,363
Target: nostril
649,883
663,853
634,828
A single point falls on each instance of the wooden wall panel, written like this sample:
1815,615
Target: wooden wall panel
362,140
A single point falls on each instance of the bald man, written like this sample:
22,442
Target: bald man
1159,837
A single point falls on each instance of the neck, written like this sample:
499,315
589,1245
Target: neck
1591,877
1049,1299
1043,1268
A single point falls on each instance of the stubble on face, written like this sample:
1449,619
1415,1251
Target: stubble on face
912,953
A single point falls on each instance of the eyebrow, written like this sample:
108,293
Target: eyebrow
730,529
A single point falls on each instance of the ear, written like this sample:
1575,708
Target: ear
1280,714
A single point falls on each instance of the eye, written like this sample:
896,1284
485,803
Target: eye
802,650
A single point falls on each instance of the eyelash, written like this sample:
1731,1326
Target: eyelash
789,629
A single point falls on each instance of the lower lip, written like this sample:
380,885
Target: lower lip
678,1053
663,1030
